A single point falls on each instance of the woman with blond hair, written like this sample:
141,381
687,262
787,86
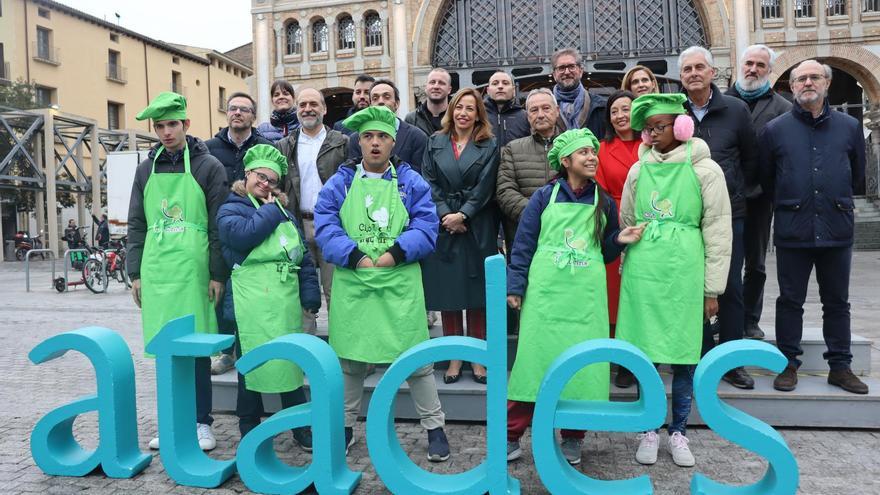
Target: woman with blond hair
461,164
641,81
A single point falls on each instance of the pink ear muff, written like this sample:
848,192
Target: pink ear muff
683,128
646,137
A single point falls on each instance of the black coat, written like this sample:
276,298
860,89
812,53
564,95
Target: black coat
508,122
453,275
409,145
727,129
421,118
230,155
813,167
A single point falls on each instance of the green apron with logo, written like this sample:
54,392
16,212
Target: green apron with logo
265,293
376,313
661,293
565,303
175,272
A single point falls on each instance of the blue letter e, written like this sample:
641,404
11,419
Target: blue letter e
53,447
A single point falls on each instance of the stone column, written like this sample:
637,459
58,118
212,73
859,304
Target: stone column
401,55
261,63
279,47
306,65
741,29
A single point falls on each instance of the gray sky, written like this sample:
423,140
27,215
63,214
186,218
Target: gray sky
208,24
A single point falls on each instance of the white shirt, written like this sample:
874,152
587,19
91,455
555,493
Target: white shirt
307,148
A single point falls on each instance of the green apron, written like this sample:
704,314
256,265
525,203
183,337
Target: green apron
265,293
565,303
175,267
376,313
661,293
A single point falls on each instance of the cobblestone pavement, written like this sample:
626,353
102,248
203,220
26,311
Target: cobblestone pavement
831,461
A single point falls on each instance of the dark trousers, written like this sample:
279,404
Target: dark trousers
204,396
224,326
249,404
730,304
756,236
794,266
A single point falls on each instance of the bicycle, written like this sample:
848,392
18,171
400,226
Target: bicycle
104,265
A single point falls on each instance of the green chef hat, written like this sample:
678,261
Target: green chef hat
373,119
165,106
265,156
655,104
568,142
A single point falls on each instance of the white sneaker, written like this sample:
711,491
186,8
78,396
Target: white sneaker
154,443
432,318
649,443
681,454
206,437
222,363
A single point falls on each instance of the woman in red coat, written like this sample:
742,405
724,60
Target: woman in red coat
616,155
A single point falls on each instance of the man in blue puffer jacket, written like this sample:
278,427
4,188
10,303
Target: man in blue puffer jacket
814,159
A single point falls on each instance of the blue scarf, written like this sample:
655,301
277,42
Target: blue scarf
751,96
571,103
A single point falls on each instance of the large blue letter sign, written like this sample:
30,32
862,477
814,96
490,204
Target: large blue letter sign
550,412
55,450
258,466
392,464
176,346
732,424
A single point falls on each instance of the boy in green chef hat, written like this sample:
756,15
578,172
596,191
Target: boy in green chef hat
174,257
672,278
374,220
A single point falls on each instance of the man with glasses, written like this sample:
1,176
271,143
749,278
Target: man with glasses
314,152
578,108
725,124
229,146
753,87
815,159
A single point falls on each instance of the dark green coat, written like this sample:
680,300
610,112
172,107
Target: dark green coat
453,275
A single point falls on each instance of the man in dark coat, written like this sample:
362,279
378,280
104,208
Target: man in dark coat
232,142
411,141
360,99
578,108
725,123
428,115
753,87
815,160
508,119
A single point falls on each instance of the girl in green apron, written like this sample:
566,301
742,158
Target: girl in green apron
566,235
273,278
672,278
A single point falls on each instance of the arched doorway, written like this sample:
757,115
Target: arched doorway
473,36
338,102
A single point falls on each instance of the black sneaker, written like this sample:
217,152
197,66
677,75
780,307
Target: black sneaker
349,438
753,331
739,378
303,436
438,445
624,378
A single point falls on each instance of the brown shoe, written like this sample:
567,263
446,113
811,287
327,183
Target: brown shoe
787,380
846,380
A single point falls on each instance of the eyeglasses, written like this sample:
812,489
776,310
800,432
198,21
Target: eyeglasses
812,77
657,128
567,68
236,108
261,177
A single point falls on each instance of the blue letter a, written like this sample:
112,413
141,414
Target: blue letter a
258,466
53,447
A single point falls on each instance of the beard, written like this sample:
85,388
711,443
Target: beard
809,98
310,123
752,84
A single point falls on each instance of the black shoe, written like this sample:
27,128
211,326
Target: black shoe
245,425
447,379
753,331
303,436
438,445
739,378
846,380
787,380
480,378
624,378
349,438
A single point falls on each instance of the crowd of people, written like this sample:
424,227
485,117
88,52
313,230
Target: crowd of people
643,216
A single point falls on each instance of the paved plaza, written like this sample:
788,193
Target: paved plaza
831,461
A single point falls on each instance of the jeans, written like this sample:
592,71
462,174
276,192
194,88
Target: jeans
794,266
730,304
204,395
682,397
756,236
